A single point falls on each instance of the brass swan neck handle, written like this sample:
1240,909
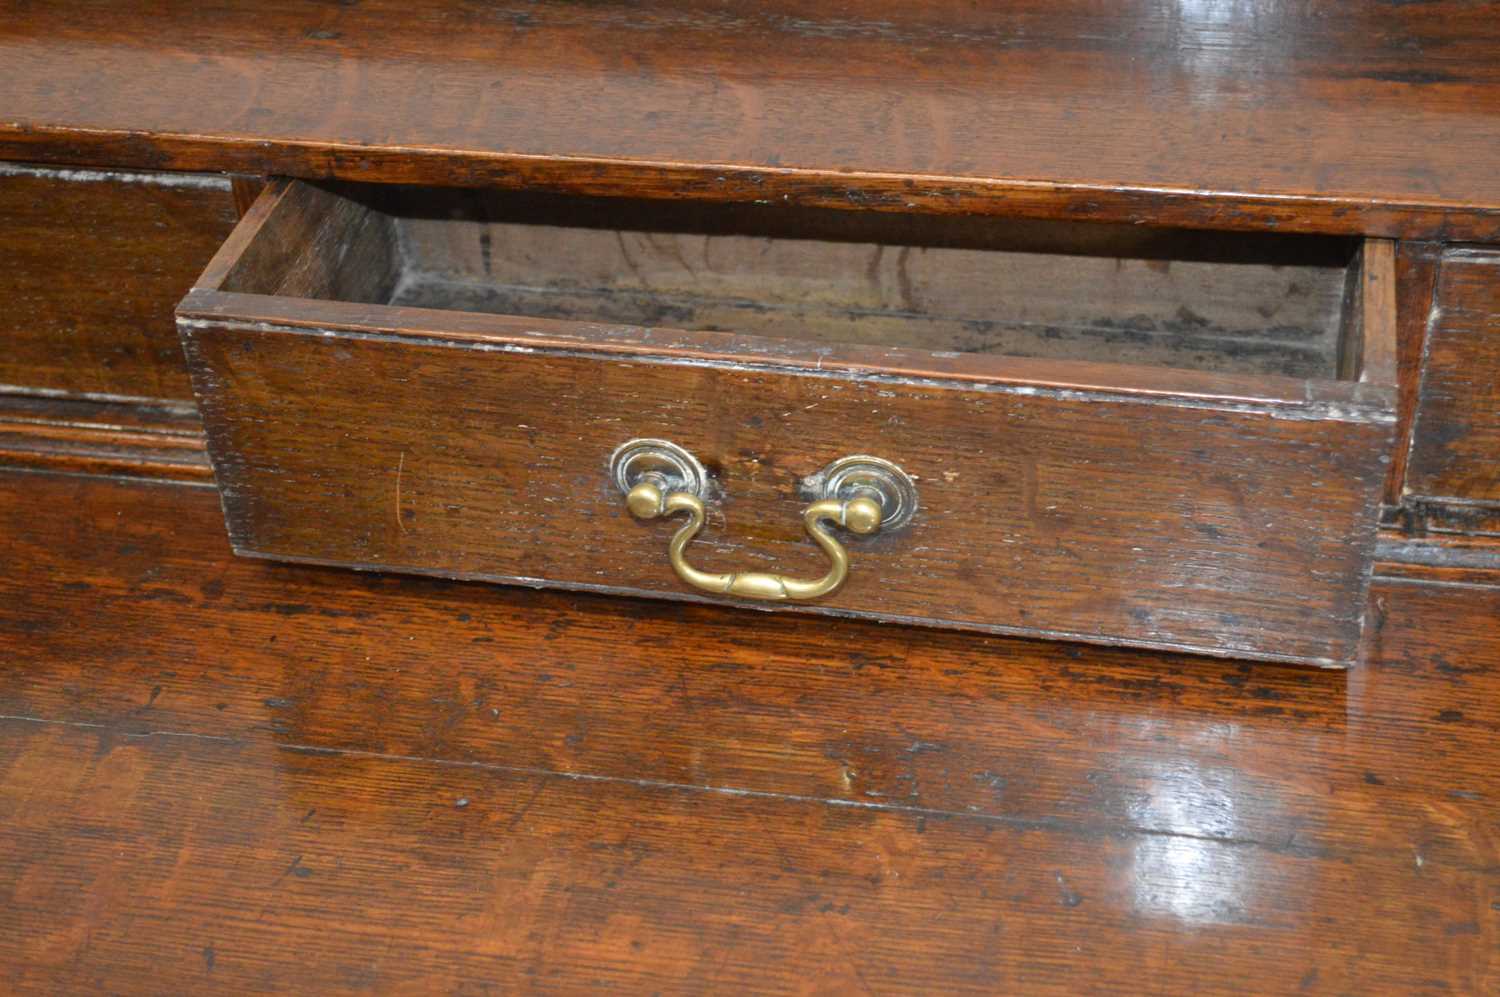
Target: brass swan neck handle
861,494
858,515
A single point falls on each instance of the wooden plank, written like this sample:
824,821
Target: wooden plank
245,190
91,265
1367,335
227,774
330,247
1419,517
1369,119
483,331
331,874
1226,528
1351,341
1456,433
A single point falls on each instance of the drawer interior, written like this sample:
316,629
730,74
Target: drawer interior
1231,303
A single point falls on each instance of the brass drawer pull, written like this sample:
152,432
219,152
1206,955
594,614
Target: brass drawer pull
860,515
861,494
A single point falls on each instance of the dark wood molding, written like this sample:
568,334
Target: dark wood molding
126,438
1438,558
1418,517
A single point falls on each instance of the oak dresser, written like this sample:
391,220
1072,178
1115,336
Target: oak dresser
1167,325
407,405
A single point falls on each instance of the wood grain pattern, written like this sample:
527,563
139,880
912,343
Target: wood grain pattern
91,265
225,774
1364,119
1230,531
1367,342
1377,333
475,446
1456,434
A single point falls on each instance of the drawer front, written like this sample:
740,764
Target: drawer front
1177,509
1151,521
1455,450
91,265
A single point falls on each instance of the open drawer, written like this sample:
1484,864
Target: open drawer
1113,434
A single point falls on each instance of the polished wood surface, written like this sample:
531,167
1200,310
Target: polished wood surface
91,264
1158,518
223,775
1367,118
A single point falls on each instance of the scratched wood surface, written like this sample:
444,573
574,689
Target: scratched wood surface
1367,118
91,265
223,775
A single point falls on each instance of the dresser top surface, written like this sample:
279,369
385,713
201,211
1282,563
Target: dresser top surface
1381,118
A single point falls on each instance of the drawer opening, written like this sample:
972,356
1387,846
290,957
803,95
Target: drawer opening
1229,303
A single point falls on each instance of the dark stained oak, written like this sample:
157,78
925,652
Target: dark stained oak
227,775
1416,278
1071,516
1365,118
1233,514
1455,448
156,440
91,264
223,774
1440,552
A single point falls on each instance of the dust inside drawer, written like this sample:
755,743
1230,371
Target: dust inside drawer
1114,434
1224,302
